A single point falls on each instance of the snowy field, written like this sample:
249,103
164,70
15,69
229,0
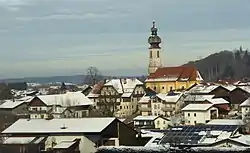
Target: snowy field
162,149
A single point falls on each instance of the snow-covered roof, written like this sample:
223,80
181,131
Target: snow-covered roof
126,95
144,99
156,137
199,98
169,98
245,88
67,99
197,107
148,118
64,144
245,103
124,85
200,88
226,122
22,140
217,101
64,125
229,87
93,95
10,104
244,139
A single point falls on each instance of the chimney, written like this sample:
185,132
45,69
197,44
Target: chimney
208,134
63,127
124,81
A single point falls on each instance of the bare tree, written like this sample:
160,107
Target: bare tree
93,76
106,107
177,120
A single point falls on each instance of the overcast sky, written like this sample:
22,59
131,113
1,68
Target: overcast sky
64,37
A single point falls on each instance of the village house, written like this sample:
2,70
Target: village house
23,144
221,104
86,134
195,99
238,96
245,109
151,122
199,113
94,93
70,104
166,79
209,89
18,107
121,96
161,104
11,110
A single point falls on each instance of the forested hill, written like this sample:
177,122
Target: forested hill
224,65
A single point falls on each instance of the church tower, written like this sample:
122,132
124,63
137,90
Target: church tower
154,50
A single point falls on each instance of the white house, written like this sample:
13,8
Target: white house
245,109
122,95
70,104
151,122
199,113
161,104
90,132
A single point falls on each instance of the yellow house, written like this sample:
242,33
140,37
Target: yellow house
166,79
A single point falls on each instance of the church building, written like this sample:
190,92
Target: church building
164,79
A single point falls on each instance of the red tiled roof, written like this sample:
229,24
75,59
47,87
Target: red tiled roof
180,72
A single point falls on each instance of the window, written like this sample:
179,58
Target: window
155,106
188,121
171,88
182,88
155,88
164,122
158,122
194,114
162,87
194,122
127,107
42,116
159,106
158,54
120,107
151,55
188,114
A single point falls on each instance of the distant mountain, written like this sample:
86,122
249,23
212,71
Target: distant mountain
76,79
224,65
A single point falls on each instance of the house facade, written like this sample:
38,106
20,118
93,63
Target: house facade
89,132
161,104
245,109
199,113
70,104
121,96
238,96
151,122
166,79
